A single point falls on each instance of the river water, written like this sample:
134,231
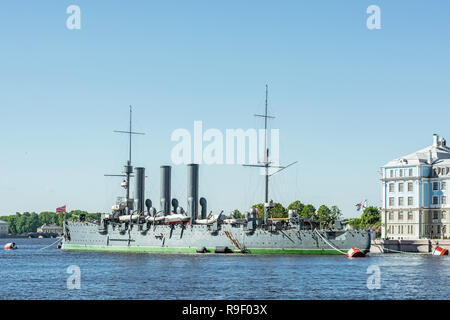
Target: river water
32,273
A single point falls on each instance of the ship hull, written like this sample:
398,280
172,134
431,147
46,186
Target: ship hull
84,236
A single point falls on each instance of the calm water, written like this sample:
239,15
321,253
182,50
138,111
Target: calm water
31,273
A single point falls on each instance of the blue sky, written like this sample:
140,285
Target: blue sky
346,99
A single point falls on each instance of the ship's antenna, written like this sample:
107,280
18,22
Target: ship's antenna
266,164
128,167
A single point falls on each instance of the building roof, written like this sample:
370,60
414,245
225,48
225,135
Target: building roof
50,226
3,222
437,153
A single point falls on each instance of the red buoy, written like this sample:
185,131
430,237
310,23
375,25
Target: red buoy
355,253
10,246
438,251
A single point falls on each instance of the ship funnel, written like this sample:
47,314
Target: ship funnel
192,192
140,189
203,204
165,189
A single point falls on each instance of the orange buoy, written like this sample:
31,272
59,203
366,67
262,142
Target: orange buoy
10,246
355,253
438,251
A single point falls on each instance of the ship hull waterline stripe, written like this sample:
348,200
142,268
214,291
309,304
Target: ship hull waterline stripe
71,247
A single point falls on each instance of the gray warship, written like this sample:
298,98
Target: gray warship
135,225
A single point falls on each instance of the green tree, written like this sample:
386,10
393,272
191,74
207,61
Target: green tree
238,215
324,215
33,223
355,223
259,210
12,224
336,214
308,211
278,211
371,216
296,205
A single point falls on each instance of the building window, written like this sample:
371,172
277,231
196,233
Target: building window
391,187
410,187
435,200
410,172
391,201
391,172
410,201
391,216
400,201
400,215
410,216
400,187
443,185
435,186
444,200
400,172
435,215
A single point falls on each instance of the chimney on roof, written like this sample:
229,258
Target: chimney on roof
435,140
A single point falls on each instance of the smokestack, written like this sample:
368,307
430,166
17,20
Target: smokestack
435,140
192,192
140,189
165,189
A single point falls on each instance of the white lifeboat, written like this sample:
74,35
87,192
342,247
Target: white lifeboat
438,251
209,220
355,253
176,219
155,219
10,246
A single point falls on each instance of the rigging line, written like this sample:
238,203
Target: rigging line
326,241
59,239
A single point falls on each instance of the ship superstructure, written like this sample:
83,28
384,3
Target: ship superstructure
136,225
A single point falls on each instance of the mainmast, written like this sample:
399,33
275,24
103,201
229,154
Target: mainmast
128,168
266,164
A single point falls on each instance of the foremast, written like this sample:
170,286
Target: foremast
128,168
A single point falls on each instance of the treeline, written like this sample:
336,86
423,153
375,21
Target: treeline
29,222
370,218
325,215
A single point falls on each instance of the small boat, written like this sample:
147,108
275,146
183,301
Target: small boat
11,246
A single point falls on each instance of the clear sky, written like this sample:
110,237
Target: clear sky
346,99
